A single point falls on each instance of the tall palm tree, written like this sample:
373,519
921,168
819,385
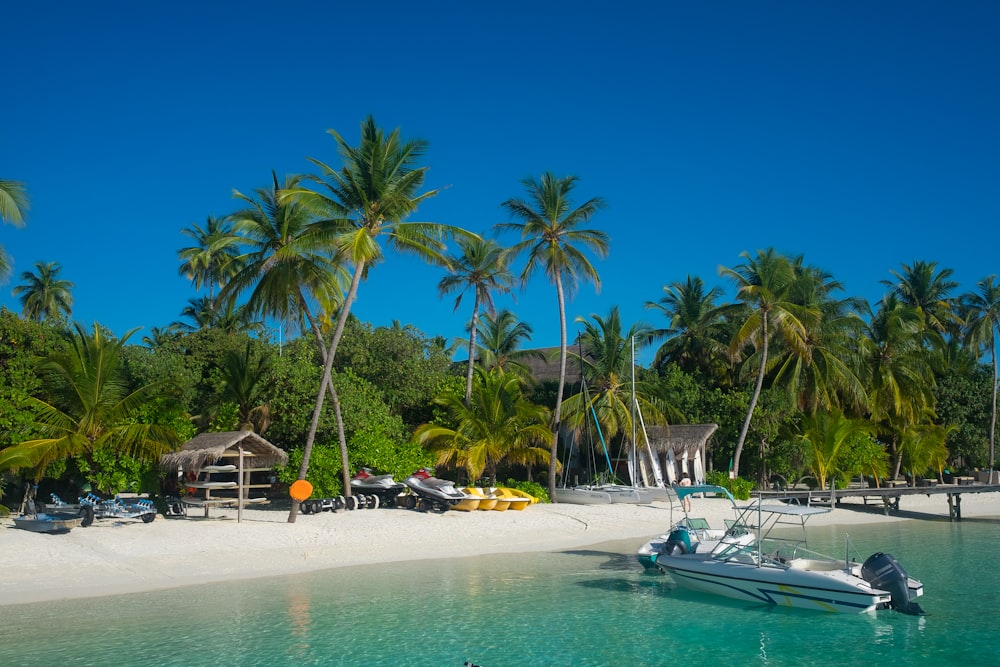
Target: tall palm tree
44,296
554,237
13,206
928,290
483,268
212,260
897,369
368,200
696,327
765,282
90,406
498,424
823,372
286,265
981,312
500,338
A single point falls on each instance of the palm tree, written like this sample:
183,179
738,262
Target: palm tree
244,378
213,258
829,435
920,285
226,316
553,235
483,268
500,338
44,296
924,448
823,373
13,205
90,407
367,201
498,424
981,312
286,265
696,327
897,369
158,336
765,282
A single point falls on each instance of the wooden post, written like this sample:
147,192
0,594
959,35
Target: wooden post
239,490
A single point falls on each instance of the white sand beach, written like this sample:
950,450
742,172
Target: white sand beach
112,557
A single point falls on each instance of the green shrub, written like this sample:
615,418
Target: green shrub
111,473
324,470
534,488
739,487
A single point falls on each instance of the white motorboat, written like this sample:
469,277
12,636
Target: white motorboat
769,569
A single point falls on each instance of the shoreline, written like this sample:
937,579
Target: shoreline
124,557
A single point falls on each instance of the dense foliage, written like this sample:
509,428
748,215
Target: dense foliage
804,382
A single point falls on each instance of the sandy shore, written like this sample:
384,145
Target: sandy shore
112,557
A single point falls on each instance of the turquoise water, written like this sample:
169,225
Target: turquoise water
582,607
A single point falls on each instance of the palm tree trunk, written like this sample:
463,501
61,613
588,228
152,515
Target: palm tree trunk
325,382
472,352
341,438
556,422
993,418
753,399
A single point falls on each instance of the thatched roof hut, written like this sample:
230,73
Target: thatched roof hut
681,448
680,437
207,448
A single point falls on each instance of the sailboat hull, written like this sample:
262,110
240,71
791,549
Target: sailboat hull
582,496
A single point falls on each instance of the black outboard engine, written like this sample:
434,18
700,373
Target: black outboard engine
884,572
679,542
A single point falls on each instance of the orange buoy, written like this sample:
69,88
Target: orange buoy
300,490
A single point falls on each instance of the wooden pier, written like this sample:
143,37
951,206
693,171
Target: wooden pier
889,495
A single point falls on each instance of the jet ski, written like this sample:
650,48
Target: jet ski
432,494
383,487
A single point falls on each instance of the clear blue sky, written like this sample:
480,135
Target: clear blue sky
860,134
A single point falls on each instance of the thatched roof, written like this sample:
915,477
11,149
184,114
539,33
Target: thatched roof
547,369
680,437
207,448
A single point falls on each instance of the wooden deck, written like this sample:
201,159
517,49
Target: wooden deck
890,496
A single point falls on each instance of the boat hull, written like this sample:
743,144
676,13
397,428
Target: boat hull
581,496
832,591
49,523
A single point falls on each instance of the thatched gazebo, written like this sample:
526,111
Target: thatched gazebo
681,448
207,448
230,452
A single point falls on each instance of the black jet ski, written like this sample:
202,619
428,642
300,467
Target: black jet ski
383,487
432,494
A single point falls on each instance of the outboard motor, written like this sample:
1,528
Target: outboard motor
884,572
679,541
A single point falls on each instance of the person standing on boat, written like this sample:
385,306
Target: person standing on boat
685,481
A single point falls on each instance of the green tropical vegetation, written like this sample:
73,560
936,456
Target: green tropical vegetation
13,207
44,295
804,382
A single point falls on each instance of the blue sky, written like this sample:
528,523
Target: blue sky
861,135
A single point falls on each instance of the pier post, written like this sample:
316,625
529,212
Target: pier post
955,506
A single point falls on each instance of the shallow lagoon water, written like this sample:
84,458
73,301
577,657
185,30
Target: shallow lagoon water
582,607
